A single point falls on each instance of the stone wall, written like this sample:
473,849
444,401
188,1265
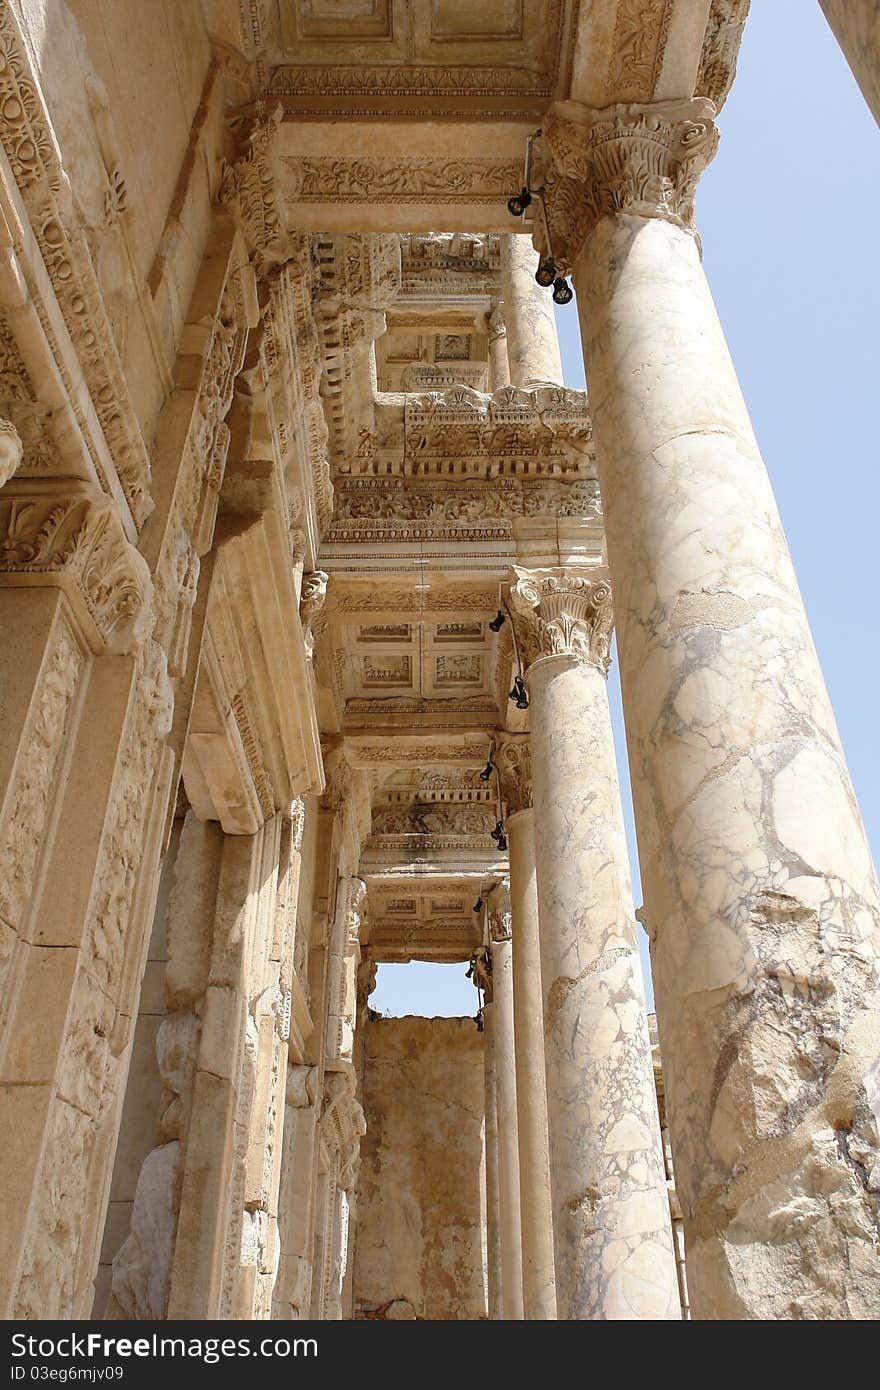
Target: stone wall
421,1236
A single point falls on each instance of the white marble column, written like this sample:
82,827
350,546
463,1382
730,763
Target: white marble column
760,895
856,26
532,340
498,914
513,760
493,1215
613,1239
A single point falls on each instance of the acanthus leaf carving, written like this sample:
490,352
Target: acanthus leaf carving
641,161
70,534
562,613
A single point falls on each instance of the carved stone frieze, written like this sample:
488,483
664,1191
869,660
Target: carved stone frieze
398,179
69,534
640,35
27,138
443,819
642,161
513,759
562,613
460,431
721,49
292,375
376,508
249,188
29,795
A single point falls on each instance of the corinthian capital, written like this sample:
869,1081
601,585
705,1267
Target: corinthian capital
513,759
558,613
643,161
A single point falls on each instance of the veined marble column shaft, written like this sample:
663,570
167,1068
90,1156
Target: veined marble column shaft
498,903
532,340
761,898
856,26
612,1232
493,1216
536,1209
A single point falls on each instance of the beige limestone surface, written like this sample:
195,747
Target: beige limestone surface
420,1238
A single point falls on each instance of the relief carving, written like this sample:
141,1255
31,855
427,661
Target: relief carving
561,613
641,161
70,534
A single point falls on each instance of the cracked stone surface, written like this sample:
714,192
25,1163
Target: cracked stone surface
613,1236
760,896
420,1204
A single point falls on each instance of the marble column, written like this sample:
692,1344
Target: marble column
513,760
856,26
493,1216
612,1233
532,341
761,900
498,914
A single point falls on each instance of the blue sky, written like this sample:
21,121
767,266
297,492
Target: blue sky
789,215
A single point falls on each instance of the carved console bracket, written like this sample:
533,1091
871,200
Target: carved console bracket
68,534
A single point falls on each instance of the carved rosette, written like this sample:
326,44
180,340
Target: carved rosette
513,759
70,535
642,161
559,613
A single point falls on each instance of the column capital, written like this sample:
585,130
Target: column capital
560,613
513,759
643,161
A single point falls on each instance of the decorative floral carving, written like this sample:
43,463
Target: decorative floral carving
563,614
25,132
401,179
643,161
639,44
249,189
29,796
720,49
75,539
